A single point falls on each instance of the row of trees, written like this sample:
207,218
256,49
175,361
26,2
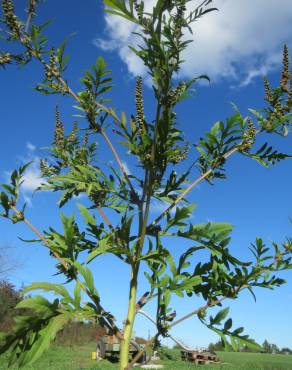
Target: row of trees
273,348
266,347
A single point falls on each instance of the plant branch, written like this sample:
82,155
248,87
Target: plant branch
205,307
44,240
192,313
120,163
102,132
190,187
66,267
105,218
31,14
75,96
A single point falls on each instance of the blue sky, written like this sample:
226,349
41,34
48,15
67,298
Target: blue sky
235,47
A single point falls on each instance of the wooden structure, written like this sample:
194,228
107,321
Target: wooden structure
199,357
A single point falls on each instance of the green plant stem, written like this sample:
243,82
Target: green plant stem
143,220
128,327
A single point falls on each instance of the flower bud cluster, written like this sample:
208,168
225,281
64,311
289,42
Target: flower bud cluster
5,58
59,131
10,18
288,245
179,20
289,100
179,155
31,7
275,97
285,72
176,93
147,157
277,114
248,137
51,69
72,136
137,8
140,117
268,91
85,140
46,169
144,21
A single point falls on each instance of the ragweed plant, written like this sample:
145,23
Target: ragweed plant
158,146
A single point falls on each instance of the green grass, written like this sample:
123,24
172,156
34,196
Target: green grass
79,358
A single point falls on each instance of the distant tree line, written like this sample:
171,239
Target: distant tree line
273,348
266,348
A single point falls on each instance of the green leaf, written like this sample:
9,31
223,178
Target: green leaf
58,289
198,232
45,336
36,303
215,128
221,315
103,247
88,277
190,282
77,295
228,325
88,217
181,214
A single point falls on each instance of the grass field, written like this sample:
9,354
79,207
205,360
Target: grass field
61,358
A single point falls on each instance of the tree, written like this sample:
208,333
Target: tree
218,346
159,147
9,298
286,351
5,263
267,346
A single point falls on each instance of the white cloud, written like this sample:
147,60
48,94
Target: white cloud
158,206
32,178
30,147
241,41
